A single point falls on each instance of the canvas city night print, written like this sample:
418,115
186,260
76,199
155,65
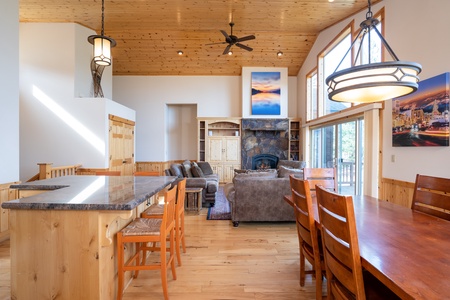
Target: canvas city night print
422,118
266,91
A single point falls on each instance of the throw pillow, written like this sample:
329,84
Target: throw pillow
196,171
206,167
256,174
176,170
284,172
186,167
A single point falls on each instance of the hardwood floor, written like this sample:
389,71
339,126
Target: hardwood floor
253,261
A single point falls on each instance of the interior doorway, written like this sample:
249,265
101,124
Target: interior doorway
181,132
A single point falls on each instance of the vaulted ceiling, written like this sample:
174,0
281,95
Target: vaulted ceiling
150,32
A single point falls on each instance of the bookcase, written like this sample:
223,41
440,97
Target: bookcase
294,139
219,143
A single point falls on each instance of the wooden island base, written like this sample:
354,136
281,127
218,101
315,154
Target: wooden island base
65,254
63,234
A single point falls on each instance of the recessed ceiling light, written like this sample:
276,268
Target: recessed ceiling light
230,52
180,52
330,0
279,54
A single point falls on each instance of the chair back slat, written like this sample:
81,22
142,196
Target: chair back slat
303,209
325,177
307,232
432,196
181,195
340,245
168,221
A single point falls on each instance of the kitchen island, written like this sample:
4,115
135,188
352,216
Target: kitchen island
63,233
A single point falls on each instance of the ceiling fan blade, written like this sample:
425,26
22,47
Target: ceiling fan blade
216,43
244,47
227,37
227,49
246,38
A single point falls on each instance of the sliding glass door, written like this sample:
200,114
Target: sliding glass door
340,145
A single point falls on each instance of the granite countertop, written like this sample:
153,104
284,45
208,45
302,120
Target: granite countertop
90,192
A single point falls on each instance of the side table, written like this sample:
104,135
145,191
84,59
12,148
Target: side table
194,202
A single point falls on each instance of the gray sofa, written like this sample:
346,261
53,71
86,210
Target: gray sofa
198,175
258,196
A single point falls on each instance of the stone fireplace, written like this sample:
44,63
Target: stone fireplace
264,161
264,136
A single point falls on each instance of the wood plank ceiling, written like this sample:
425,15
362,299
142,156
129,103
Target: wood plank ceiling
150,32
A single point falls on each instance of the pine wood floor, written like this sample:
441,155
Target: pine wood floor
253,261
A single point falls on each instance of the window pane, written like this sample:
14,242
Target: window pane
311,99
330,62
375,48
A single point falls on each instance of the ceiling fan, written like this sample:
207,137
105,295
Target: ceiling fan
234,40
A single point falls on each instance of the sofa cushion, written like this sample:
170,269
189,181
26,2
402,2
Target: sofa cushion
292,164
206,167
259,174
186,168
175,170
196,171
284,172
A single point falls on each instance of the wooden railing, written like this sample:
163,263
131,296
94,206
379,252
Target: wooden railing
47,171
346,173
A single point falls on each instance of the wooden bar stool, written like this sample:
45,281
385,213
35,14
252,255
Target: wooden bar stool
142,231
155,212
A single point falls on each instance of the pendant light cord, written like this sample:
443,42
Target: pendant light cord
103,17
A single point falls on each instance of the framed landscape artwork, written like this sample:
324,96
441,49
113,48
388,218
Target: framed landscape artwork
266,93
421,118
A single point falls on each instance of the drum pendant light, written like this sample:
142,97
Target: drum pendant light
372,82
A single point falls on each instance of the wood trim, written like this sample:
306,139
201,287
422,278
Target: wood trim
122,120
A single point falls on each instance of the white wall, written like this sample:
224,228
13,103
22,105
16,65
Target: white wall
215,96
9,91
181,128
417,31
55,125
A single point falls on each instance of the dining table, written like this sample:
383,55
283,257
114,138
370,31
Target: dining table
408,251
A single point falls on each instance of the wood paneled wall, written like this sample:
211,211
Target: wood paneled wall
396,191
6,194
155,166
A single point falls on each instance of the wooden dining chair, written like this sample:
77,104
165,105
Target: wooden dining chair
432,196
307,233
345,279
146,173
107,173
325,177
141,232
155,212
